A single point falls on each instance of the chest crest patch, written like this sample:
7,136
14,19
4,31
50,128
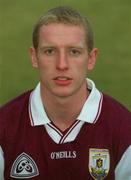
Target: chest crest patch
24,167
99,163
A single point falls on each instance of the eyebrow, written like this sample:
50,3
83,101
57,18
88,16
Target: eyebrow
55,46
46,47
77,47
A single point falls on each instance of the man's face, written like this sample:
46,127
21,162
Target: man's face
62,59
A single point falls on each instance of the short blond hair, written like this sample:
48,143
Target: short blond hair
65,15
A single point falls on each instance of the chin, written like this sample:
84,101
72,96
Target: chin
63,94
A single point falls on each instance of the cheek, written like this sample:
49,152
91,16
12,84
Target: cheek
83,67
80,73
83,70
46,71
44,65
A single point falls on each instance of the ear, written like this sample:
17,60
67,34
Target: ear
33,57
92,58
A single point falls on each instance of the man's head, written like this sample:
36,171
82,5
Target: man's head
63,52
64,15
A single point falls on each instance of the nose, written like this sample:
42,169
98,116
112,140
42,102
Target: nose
62,61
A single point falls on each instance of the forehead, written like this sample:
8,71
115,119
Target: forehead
62,34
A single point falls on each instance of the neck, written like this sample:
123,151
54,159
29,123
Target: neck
63,111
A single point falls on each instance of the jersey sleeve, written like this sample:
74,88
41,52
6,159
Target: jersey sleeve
2,128
123,167
1,164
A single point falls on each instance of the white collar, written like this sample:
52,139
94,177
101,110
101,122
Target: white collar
89,113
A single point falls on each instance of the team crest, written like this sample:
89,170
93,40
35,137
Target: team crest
24,167
99,163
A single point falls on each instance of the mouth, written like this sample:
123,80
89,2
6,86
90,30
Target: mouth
62,80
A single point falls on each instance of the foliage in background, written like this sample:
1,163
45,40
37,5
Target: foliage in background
111,21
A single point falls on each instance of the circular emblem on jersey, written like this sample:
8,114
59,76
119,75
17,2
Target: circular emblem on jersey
24,167
99,163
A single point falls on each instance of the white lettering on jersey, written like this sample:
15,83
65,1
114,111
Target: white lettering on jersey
24,167
63,155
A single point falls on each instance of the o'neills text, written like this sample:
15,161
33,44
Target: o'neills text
63,154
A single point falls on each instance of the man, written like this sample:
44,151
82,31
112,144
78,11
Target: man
65,129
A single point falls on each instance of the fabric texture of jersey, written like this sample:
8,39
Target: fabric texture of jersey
96,146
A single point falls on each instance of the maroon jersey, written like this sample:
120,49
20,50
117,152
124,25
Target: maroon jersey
96,149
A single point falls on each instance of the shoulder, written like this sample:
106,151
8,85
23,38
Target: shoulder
114,107
11,112
119,124
116,114
14,105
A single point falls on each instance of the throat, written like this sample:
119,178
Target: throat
63,117
63,126
63,112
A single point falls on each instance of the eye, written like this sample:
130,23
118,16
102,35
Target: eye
75,52
49,51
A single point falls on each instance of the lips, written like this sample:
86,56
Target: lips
62,80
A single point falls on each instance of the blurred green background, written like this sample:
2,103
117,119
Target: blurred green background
111,21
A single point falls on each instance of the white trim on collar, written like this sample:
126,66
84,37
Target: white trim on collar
37,112
89,113
92,107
